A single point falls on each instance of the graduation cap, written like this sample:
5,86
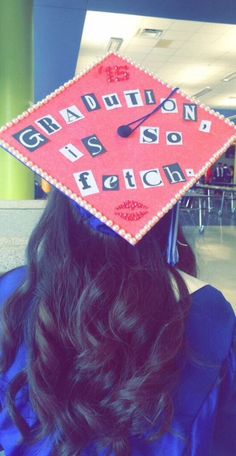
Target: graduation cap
119,142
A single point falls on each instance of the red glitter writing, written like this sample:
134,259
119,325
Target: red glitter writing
117,73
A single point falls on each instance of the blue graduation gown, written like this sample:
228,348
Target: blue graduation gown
205,401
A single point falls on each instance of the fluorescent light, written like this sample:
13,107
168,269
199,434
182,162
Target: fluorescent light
150,33
229,77
202,92
114,44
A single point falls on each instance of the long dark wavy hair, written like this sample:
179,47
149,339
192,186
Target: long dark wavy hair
104,330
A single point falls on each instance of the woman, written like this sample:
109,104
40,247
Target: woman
108,350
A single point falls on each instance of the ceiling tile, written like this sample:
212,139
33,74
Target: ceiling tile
154,22
185,25
209,27
198,54
182,35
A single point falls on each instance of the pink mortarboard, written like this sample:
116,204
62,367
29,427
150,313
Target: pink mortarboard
121,143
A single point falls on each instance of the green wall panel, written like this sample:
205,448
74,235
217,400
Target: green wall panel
16,89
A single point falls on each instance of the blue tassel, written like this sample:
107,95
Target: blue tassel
172,250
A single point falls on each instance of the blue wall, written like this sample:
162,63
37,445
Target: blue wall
197,10
58,26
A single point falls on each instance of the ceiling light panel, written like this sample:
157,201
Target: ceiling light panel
150,33
229,77
114,44
203,92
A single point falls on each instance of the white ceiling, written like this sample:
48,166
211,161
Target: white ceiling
190,55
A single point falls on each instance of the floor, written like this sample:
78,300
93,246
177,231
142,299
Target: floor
213,238
215,250
17,220
214,243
